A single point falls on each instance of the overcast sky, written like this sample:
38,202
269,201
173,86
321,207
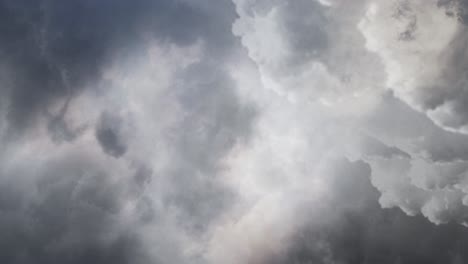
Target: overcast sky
233,131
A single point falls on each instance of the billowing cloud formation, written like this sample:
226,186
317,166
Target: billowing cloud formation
115,117
426,73
242,131
371,104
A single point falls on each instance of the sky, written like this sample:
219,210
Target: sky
233,131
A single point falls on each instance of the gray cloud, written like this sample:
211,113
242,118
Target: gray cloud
378,237
437,88
233,132
352,228
101,195
397,124
69,213
216,122
109,134
58,48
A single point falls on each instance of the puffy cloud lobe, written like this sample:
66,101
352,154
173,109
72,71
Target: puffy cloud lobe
428,74
308,50
431,181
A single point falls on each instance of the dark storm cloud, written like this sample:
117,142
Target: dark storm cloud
354,229
53,49
178,165
70,214
72,210
378,237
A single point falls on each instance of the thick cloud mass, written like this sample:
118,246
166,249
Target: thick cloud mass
58,48
233,131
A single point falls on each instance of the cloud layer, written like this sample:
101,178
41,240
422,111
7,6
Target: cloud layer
233,131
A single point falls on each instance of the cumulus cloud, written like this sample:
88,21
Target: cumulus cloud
241,131
367,98
426,73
